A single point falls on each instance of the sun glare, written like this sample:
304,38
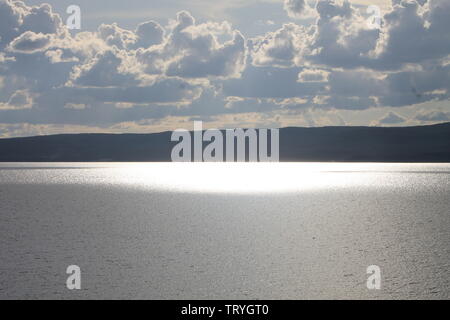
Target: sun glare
236,177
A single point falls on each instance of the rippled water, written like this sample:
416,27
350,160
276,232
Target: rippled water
225,231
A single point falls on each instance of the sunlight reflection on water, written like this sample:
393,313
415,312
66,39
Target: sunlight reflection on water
220,177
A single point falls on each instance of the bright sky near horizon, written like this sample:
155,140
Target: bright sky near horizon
146,66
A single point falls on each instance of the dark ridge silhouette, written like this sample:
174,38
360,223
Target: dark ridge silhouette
362,144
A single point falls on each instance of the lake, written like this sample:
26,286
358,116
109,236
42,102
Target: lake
224,230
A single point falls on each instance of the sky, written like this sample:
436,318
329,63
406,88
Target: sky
157,65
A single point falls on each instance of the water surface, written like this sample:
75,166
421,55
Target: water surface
225,231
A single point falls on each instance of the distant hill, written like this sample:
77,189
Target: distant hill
364,144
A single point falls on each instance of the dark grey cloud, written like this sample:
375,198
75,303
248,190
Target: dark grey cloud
10,17
29,42
148,34
105,70
40,19
415,33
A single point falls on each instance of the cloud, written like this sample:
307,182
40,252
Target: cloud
194,51
281,48
40,19
330,65
10,16
113,35
298,8
381,67
148,34
427,23
433,116
19,100
339,38
106,66
161,91
313,75
106,69
75,106
30,42
342,38
391,118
